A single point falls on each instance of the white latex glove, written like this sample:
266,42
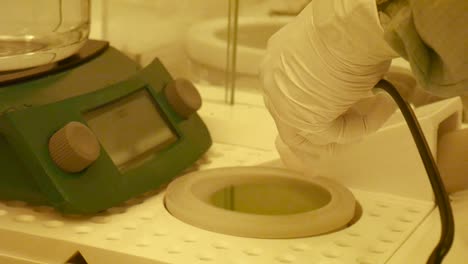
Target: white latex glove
318,74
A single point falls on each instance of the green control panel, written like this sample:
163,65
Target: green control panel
91,136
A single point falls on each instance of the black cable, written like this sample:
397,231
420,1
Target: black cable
441,197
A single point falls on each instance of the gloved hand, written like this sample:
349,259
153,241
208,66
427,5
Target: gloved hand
318,76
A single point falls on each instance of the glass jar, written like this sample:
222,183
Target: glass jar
37,32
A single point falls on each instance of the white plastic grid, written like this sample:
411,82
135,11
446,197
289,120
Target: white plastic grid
142,231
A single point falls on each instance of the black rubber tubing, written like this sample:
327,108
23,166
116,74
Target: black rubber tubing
440,194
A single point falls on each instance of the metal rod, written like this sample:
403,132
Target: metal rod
231,52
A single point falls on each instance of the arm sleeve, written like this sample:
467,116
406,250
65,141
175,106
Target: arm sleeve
432,35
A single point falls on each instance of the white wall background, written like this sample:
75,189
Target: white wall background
156,20
145,29
148,28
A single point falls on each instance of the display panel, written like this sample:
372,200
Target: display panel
130,129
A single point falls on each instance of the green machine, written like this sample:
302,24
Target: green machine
92,131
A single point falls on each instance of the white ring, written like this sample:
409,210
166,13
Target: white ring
187,199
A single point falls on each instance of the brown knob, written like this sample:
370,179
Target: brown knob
183,97
74,147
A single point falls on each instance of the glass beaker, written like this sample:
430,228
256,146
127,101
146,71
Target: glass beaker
37,32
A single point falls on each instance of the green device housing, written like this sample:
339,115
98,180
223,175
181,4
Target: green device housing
32,110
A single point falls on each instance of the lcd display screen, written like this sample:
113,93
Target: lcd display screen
130,129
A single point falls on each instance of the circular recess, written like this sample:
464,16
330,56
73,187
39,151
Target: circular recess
260,202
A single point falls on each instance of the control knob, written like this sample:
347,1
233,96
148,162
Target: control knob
74,147
183,96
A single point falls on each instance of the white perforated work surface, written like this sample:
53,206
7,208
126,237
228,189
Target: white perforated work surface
142,231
